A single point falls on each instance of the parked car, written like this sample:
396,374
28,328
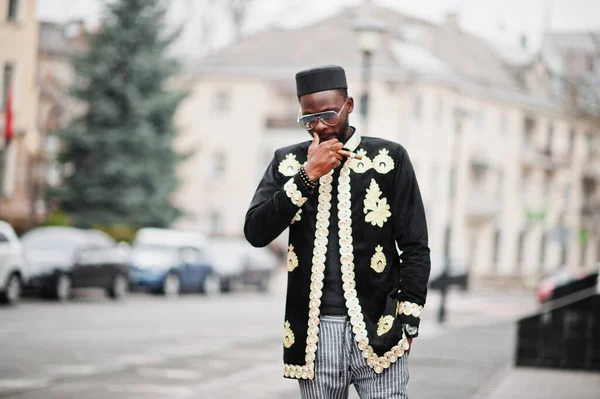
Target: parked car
106,268
239,264
52,254
171,261
13,269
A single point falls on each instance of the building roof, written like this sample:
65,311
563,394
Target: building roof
559,48
61,39
411,46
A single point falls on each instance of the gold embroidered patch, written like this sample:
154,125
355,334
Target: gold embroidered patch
377,210
383,163
363,165
292,261
378,261
289,166
288,335
297,217
385,324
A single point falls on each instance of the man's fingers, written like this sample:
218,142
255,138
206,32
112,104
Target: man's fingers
349,154
316,139
337,146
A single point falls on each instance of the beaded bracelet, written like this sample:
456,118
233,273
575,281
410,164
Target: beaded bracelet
306,180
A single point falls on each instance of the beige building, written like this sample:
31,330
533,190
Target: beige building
58,44
505,159
18,63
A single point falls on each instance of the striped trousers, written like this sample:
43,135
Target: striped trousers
339,363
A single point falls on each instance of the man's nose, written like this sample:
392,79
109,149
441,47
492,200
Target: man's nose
320,126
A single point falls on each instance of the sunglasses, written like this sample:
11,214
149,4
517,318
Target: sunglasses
310,121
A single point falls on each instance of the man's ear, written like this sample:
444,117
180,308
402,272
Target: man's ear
350,105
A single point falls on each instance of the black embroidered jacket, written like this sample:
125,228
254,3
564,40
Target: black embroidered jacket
379,211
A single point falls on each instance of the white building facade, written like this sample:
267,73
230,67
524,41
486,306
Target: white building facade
501,169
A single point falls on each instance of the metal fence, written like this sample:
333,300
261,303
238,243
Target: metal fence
566,332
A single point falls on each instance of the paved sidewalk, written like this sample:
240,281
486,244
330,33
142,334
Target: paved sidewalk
471,355
531,383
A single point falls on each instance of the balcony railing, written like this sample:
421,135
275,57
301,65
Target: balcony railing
543,158
482,206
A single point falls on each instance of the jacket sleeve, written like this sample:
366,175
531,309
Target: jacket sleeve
276,201
410,230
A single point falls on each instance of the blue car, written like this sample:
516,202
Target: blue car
170,266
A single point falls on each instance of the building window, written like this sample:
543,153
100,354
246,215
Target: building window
571,142
591,144
589,63
583,243
526,178
221,103
214,220
528,131
499,182
547,188
13,9
452,183
479,175
217,166
496,249
8,74
521,247
503,123
543,244
567,197
447,241
417,106
3,168
550,138
481,120
439,114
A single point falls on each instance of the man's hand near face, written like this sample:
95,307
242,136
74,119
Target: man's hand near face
322,157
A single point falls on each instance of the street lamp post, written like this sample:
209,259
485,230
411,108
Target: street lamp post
368,32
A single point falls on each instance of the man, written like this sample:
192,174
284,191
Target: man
353,303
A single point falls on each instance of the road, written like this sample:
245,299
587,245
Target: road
225,347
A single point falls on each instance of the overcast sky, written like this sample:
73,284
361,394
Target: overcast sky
502,21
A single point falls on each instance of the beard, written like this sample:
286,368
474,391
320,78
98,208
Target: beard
342,133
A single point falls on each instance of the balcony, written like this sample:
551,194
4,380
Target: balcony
591,168
542,158
482,207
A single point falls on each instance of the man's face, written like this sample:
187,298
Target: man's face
330,100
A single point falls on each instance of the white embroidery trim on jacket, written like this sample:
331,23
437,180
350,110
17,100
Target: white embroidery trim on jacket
294,194
377,363
307,371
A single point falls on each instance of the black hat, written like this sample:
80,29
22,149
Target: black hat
322,78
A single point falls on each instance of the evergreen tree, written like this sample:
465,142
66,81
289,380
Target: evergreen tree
119,152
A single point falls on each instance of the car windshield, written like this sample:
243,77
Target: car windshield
55,243
155,255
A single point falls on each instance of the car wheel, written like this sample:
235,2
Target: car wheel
12,291
62,288
171,285
212,285
119,287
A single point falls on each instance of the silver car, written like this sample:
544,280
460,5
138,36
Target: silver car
13,269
